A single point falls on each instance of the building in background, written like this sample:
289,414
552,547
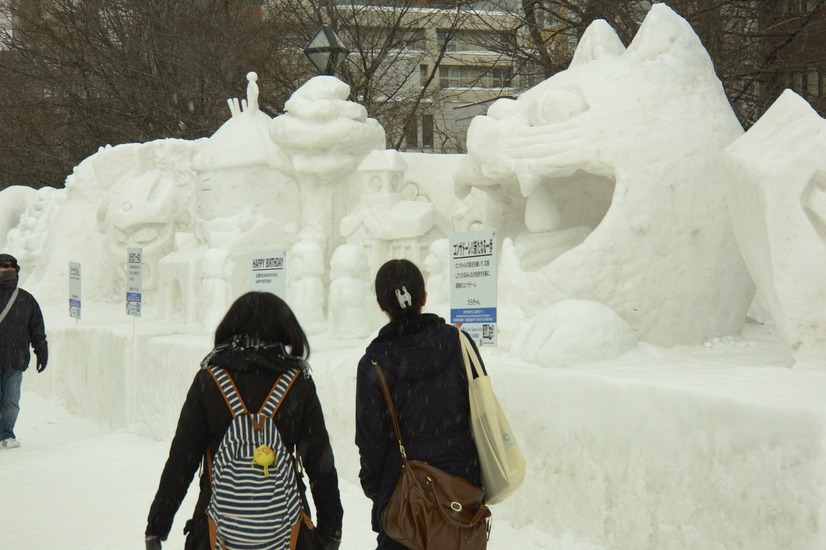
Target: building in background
794,34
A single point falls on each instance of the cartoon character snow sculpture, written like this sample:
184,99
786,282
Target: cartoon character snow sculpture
147,204
777,196
628,143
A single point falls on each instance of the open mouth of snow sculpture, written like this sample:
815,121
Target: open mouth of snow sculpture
560,213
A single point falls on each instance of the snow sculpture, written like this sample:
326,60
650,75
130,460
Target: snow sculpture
215,290
777,197
386,223
14,201
629,143
35,211
323,138
306,291
235,176
572,331
436,265
147,204
350,309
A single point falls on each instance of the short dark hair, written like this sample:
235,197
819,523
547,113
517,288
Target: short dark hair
267,317
395,280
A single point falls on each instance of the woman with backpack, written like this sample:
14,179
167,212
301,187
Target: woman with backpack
256,372
420,357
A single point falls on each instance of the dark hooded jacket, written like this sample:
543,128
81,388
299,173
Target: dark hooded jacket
22,327
205,418
422,362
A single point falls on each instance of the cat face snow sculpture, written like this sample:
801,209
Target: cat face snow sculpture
619,163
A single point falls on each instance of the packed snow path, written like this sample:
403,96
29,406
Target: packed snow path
76,486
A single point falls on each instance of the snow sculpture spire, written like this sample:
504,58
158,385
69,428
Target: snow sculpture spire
250,104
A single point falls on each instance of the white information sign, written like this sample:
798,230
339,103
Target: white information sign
268,272
473,284
74,290
134,281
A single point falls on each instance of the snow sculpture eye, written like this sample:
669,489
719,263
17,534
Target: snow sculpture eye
557,106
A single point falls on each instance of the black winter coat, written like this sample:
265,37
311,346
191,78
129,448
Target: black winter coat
205,418
22,327
421,359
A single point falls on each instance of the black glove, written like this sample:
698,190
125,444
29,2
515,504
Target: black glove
324,542
152,542
42,358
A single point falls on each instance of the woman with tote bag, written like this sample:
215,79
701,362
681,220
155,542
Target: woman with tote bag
420,357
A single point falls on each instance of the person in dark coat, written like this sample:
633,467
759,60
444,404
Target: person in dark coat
21,327
257,341
420,356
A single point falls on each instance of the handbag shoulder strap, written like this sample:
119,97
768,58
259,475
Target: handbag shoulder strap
390,408
473,363
10,303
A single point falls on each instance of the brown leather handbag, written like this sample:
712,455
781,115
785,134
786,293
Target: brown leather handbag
429,508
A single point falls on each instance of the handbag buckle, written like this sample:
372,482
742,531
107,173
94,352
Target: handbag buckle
456,506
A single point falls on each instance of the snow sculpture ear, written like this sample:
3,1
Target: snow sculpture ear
599,41
664,33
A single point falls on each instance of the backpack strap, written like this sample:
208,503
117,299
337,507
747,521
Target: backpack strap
277,393
10,303
228,390
233,399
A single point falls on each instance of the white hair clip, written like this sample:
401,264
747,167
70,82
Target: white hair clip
404,297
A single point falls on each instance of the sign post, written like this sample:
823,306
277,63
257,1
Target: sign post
74,290
134,275
473,284
268,272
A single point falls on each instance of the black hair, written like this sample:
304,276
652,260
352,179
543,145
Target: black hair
267,317
400,289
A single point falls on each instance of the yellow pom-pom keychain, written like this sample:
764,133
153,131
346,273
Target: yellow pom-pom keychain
264,456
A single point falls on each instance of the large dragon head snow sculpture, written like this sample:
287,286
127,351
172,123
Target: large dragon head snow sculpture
617,164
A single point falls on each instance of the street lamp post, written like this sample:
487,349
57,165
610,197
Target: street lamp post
325,51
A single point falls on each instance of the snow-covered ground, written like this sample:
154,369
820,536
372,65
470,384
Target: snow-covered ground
712,446
73,485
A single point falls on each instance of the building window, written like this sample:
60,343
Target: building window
500,77
424,73
450,77
814,84
448,37
412,134
464,76
807,84
427,131
414,39
476,40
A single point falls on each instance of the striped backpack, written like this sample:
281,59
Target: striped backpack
255,501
